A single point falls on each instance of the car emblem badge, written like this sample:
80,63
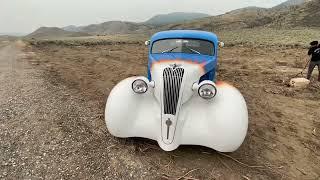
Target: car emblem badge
168,123
174,66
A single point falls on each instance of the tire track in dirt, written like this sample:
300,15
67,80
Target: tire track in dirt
48,130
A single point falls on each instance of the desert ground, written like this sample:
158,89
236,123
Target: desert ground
53,95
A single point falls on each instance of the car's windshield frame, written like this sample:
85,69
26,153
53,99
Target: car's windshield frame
195,52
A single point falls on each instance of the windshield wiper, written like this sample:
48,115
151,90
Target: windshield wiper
194,50
169,50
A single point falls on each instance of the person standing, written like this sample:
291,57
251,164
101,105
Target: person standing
314,52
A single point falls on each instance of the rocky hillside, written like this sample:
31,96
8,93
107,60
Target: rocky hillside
53,33
305,15
283,16
290,3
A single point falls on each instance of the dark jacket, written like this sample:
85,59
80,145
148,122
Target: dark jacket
315,53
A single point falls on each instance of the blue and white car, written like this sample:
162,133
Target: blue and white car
180,102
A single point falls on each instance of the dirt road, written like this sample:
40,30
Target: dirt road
48,131
52,124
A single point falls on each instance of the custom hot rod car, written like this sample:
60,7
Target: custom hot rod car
180,102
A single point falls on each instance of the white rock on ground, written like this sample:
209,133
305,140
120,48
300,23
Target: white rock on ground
299,82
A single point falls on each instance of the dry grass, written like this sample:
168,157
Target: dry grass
270,37
299,37
91,40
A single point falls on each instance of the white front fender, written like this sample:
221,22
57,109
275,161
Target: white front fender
129,114
220,123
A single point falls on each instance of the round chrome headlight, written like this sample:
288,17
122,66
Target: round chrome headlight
139,86
207,91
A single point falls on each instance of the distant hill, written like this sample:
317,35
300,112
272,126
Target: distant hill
248,10
290,14
72,28
11,34
54,32
123,27
237,19
176,17
8,38
115,27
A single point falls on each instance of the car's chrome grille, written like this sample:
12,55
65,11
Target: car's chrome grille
172,79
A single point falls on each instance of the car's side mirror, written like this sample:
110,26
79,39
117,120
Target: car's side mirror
147,43
221,44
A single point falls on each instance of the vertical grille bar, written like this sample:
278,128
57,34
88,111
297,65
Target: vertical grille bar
172,79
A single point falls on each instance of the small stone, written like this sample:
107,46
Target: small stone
299,82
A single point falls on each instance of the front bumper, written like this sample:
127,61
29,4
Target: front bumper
220,123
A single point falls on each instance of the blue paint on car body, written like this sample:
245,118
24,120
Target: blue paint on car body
209,62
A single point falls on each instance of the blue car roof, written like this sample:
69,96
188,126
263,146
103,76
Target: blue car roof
188,34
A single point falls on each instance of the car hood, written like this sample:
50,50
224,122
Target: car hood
207,62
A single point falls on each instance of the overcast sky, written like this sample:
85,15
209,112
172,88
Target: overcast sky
24,16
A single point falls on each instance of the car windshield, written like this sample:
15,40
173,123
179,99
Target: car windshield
190,46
